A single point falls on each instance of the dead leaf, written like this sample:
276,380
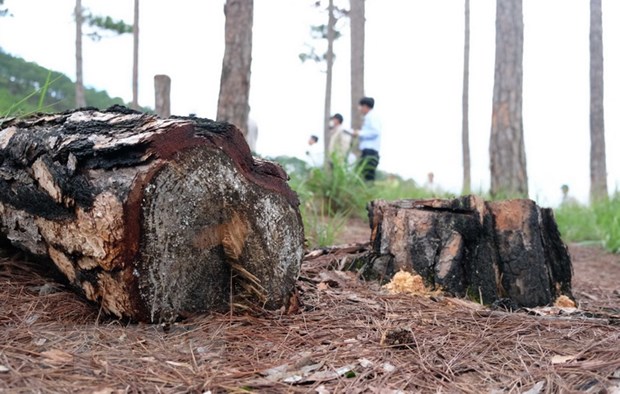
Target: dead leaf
364,362
387,367
557,359
56,357
322,286
564,302
4,368
324,376
322,390
536,389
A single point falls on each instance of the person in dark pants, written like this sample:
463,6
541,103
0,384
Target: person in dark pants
370,138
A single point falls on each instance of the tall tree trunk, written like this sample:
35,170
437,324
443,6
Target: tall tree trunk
329,58
358,20
598,166
507,148
80,99
233,104
466,158
136,45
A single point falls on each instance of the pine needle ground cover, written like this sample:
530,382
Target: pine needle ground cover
52,341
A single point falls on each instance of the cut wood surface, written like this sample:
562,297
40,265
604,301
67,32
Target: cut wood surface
486,250
153,218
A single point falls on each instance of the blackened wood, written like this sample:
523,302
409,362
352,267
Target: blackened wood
469,247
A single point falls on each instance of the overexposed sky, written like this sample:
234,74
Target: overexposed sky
414,63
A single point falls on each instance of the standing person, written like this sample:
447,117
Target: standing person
370,138
340,140
566,198
314,153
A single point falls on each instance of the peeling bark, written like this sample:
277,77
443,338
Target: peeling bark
466,246
153,218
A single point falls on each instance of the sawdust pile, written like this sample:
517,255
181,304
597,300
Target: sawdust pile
405,282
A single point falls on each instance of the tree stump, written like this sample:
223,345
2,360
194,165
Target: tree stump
152,218
466,246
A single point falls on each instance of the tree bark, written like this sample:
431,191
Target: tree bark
329,59
357,17
598,166
152,218
80,99
136,46
162,95
465,129
485,250
507,147
233,104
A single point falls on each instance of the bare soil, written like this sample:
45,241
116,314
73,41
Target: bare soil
346,336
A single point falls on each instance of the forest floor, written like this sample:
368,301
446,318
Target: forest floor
348,336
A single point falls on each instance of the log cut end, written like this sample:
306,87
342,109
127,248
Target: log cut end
153,218
204,224
468,247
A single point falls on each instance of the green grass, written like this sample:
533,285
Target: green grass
330,196
599,223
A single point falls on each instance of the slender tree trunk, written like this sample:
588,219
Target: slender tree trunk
80,100
358,20
598,170
466,158
136,45
233,104
329,58
507,147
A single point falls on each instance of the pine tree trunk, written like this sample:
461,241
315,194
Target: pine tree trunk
358,20
486,250
507,147
598,166
329,59
136,45
465,129
233,104
80,99
152,218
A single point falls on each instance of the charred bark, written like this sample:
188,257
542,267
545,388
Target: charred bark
467,247
153,218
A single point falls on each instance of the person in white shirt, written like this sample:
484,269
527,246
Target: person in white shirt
314,153
370,138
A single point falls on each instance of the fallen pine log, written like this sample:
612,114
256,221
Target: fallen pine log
152,218
487,251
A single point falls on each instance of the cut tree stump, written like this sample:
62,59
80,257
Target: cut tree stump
487,251
152,218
